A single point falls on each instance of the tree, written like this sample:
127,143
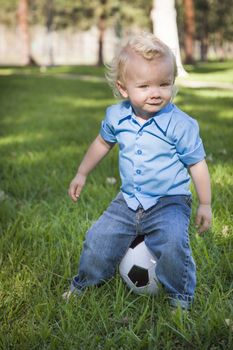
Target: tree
108,13
24,35
189,30
79,14
202,15
213,25
7,13
165,27
103,14
49,11
15,13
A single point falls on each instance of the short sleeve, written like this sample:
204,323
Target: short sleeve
188,143
107,131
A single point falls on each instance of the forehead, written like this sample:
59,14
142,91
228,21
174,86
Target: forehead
138,66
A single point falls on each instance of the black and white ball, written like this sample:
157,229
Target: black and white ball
137,268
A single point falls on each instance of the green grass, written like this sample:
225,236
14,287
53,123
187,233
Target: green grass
53,70
46,125
221,72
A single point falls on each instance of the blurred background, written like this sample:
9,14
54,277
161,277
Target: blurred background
74,32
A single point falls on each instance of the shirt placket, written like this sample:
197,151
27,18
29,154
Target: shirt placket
138,159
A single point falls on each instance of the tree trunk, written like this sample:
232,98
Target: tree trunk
49,26
102,28
22,16
204,47
189,22
165,28
204,38
220,45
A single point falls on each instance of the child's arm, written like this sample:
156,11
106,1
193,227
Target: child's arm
201,179
95,153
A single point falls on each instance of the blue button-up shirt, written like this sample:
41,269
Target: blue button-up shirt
153,157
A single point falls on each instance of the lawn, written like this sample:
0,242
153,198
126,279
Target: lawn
221,72
46,124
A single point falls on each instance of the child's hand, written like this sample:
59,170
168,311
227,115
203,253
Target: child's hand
203,217
76,186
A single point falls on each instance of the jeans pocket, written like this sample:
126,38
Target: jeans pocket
119,198
189,201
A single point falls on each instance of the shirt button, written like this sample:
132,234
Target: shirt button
138,189
138,171
139,151
140,133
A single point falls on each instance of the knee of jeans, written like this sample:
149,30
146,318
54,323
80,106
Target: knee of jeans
173,258
175,249
94,267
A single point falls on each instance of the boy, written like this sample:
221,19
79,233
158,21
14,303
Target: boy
159,145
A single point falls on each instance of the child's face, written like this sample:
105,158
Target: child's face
147,84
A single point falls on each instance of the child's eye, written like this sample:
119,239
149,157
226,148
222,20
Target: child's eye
143,86
165,84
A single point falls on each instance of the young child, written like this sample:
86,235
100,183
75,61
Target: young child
159,146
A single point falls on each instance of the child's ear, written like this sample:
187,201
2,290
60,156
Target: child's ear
121,88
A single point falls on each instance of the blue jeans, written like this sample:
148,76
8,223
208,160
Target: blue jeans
165,226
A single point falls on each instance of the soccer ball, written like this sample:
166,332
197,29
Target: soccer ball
137,268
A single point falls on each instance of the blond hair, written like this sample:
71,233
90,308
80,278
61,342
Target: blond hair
147,45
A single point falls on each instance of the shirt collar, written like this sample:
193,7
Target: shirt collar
161,119
126,111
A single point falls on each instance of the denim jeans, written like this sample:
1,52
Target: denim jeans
165,226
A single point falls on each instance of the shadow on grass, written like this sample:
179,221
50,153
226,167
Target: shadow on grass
209,67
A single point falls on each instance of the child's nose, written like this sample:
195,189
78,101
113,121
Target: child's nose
155,92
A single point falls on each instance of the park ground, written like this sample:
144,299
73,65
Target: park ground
47,119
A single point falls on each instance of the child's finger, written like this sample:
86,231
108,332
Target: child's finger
198,220
78,192
72,192
204,226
